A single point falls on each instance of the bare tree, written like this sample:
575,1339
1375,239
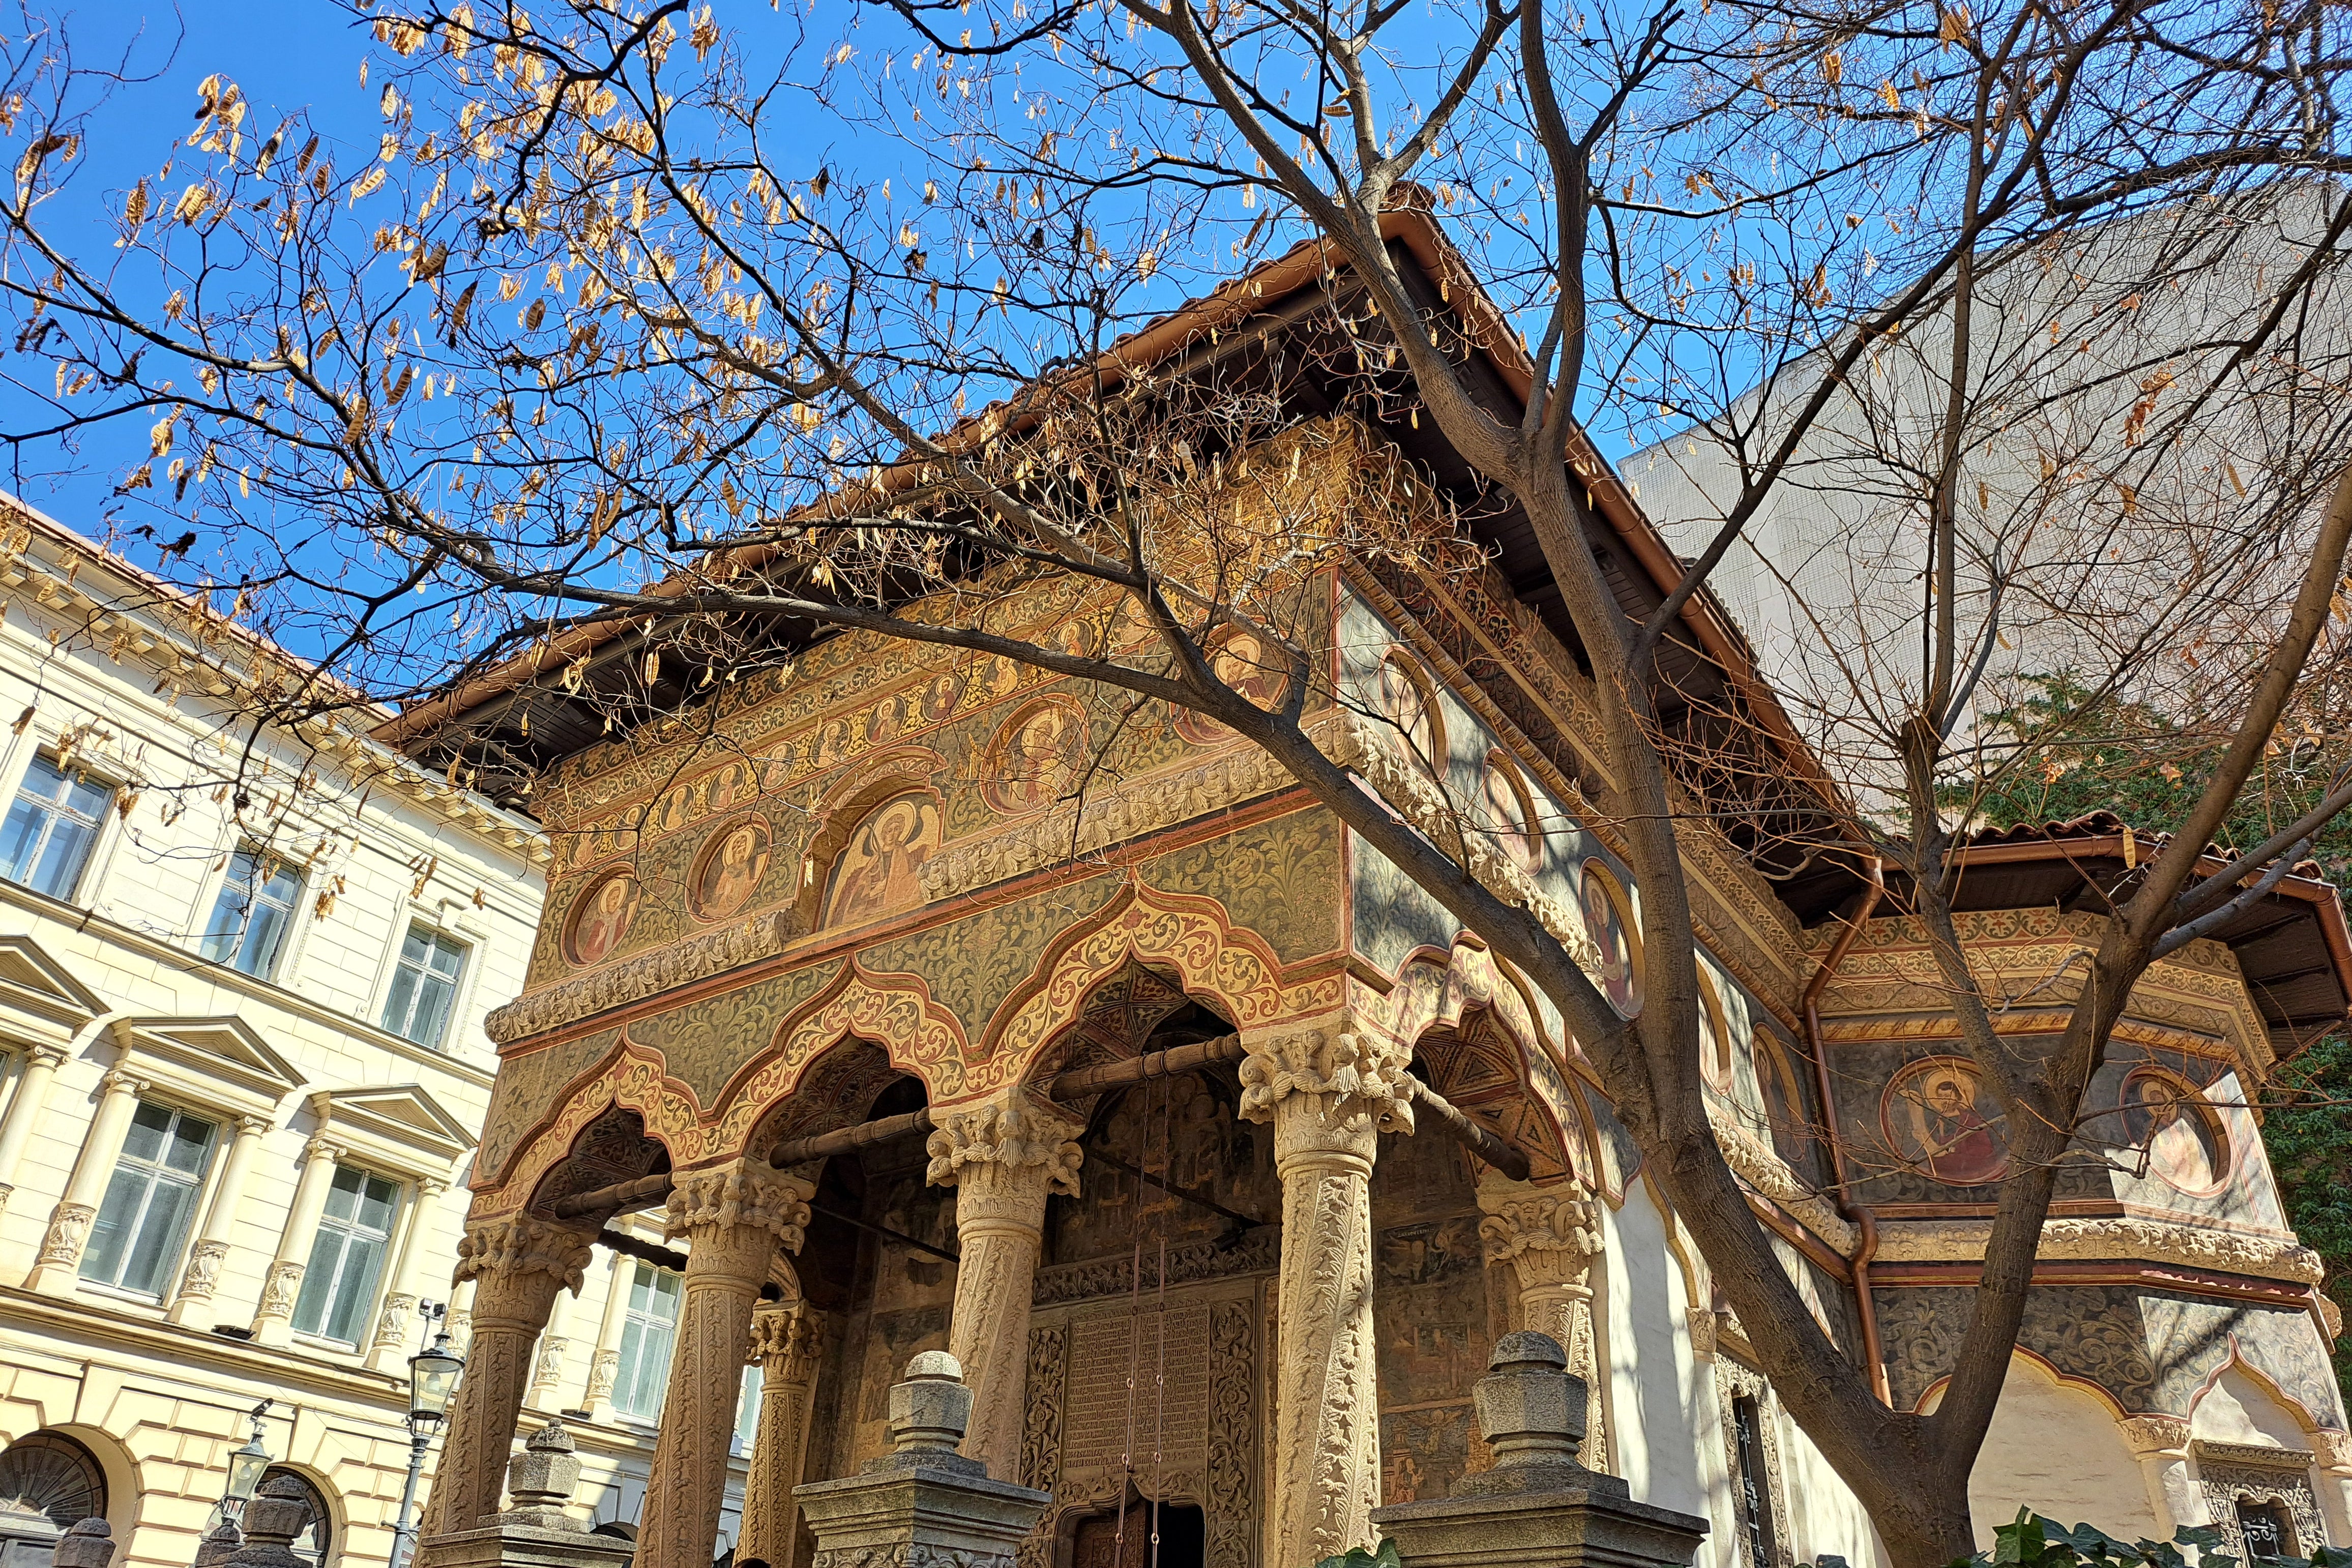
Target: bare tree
598,343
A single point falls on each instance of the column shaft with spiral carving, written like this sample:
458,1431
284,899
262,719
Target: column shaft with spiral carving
734,1218
1004,1158
1329,1093
517,1264
1549,1237
785,1340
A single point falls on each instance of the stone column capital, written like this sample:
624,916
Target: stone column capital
122,1081
516,1246
1545,1230
745,1207
1008,1129
251,1126
786,1337
1327,1089
2333,1449
2149,1436
45,1055
322,1148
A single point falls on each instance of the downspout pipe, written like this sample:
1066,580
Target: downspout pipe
1865,1222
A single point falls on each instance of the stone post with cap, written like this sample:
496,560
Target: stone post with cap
1538,1504
923,1501
538,1529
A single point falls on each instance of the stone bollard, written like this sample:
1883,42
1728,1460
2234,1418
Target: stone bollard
89,1544
278,1514
537,1532
220,1543
923,1501
1537,1505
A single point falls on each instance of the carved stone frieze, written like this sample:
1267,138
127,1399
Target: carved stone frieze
1041,1431
2230,1474
1109,816
1762,1168
646,975
1257,1252
2155,1434
2071,1238
909,1554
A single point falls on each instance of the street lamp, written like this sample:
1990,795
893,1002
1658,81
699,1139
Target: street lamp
432,1379
246,1466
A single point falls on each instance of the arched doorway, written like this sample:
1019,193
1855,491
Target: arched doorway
50,1473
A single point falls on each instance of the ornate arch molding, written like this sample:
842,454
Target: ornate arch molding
628,1077
1224,967
2314,1426
2073,1381
1465,989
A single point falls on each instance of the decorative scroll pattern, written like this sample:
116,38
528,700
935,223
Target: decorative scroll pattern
1041,1434
1231,1503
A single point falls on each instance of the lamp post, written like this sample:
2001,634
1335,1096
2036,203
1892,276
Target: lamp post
246,1465
432,1379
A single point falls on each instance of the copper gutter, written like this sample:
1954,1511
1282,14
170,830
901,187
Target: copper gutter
1865,1222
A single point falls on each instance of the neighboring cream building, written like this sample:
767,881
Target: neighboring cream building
244,1068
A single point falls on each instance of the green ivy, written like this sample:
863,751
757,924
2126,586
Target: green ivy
2033,1541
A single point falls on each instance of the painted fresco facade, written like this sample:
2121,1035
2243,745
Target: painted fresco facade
866,887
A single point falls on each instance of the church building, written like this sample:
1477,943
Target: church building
922,1001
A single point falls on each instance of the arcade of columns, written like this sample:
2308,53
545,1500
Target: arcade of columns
1326,1093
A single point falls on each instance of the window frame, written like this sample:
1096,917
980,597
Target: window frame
80,883
175,1251
626,1374
261,857
371,1294
435,933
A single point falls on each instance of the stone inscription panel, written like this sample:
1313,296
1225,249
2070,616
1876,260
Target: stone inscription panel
1167,1353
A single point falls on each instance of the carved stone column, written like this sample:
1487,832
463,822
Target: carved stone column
24,1108
785,1338
1549,1237
2161,1443
201,1279
1329,1093
516,1265
273,1322
59,1261
1004,1158
734,1218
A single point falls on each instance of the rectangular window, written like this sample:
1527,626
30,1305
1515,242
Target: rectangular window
747,1412
425,985
648,1334
1751,1496
135,1241
338,1295
46,843
255,907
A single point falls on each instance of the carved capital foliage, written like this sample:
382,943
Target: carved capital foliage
2154,1434
515,1246
1343,1087
1009,1142
69,1230
1544,1230
747,1196
2333,1449
786,1340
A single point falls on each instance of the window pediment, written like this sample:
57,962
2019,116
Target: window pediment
37,987
219,1062
400,1128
